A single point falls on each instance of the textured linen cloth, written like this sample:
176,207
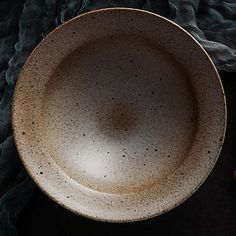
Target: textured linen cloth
23,23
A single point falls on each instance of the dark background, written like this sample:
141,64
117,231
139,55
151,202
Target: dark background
210,211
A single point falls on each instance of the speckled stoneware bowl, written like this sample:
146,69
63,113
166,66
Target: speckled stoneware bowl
119,115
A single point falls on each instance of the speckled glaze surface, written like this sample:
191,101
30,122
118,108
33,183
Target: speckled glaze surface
119,115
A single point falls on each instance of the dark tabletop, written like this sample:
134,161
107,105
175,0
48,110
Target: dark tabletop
210,211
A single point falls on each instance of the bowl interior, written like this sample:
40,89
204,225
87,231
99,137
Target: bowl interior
119,114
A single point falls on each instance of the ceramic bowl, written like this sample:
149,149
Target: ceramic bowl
119,115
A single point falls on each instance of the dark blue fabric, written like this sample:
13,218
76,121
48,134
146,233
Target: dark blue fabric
24,23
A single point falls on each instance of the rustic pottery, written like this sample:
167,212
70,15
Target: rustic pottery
119,115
